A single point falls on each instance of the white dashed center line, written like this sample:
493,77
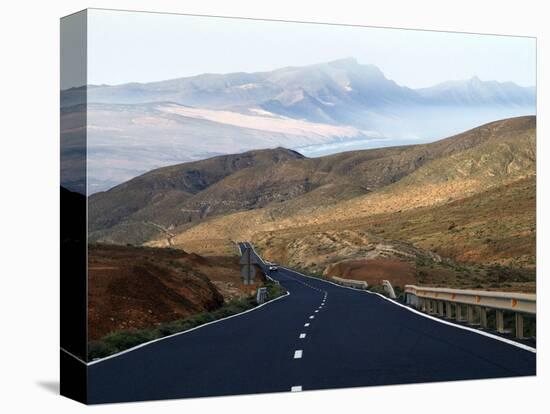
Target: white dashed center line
302,335
312,317
296,388
316,310
306,325
298,354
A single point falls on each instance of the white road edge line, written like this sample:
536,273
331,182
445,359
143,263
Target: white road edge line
298,354
181,333
466,328
296,388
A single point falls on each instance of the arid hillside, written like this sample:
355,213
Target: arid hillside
473,204
149,205
139,287
487,240
281,182
459,211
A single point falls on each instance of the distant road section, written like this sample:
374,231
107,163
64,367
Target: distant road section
320,336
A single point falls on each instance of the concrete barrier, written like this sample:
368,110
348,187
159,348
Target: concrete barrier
389,289
442,301
261,295
357,284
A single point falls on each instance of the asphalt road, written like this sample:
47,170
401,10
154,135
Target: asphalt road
320,336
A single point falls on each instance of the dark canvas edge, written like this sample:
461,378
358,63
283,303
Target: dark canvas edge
73,211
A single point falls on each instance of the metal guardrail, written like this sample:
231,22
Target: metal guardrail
442,301
357,284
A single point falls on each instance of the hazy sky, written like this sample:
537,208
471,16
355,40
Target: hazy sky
143,47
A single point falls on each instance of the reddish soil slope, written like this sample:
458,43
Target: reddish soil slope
136,287
373,271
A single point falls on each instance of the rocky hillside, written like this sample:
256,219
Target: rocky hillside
167,201
148,205
487,240
441,210
138,287
492,155
469,198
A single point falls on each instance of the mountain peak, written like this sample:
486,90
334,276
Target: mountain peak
475,80
272,154
349,61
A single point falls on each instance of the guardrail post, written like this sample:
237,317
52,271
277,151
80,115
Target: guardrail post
470,314
519,325
448,310
500,321
483,317
433,307
458,312
423,304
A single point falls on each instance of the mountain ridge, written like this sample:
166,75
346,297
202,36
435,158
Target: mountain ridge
174,184
335,78
289,186
475,206
317,109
